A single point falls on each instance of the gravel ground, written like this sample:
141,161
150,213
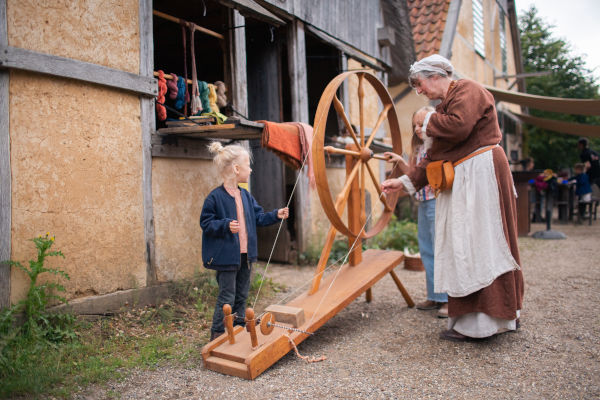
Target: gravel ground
386,350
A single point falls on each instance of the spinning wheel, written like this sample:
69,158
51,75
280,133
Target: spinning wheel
248,355
357,155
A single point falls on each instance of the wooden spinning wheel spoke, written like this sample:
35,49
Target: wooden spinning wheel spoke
378,187
339,109
382,117
361,108
335,150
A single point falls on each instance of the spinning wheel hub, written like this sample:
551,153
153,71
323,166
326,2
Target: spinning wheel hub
366,154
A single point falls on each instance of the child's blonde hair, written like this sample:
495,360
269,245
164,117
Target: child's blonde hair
416,141
226,156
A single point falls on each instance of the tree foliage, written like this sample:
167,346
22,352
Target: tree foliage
542,51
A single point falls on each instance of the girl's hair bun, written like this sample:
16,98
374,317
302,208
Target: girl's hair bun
215,147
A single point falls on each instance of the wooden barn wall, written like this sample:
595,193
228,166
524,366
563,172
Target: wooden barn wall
351,21
76,148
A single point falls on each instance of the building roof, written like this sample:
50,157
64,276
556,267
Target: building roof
428,20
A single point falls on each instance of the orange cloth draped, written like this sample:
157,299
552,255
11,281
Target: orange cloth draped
284,140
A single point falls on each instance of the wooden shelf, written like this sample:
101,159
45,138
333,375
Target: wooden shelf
241,129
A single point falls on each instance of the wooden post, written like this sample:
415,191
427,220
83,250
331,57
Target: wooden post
369,295
148,129
228,322
251,326
354,210
5,172
296,62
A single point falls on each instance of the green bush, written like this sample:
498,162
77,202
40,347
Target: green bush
398,235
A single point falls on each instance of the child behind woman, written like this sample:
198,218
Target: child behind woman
426,219
583,189
229,219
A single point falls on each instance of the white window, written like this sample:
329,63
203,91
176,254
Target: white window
478,32
503,40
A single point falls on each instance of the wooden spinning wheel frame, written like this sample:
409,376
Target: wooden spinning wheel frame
247,355
359,153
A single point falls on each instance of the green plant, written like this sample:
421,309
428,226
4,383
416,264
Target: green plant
398,235
38,322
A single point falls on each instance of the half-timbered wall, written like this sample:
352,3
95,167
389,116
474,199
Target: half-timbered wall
76,150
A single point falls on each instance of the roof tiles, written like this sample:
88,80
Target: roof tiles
428,19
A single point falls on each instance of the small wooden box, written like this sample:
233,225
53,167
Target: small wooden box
287,315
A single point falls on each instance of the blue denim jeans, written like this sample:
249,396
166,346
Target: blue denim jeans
233,290
426,226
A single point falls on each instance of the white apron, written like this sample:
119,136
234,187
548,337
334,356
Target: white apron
471,250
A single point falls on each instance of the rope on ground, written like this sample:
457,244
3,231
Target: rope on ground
305,358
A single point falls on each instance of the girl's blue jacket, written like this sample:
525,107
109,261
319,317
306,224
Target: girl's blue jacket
221,247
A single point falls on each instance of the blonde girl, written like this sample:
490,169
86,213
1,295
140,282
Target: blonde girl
229,219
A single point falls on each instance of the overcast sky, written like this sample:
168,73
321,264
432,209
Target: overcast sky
575,21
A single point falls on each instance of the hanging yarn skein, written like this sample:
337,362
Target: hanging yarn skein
181,92
161,111
196,105
172,86
221,96
204,96
212,98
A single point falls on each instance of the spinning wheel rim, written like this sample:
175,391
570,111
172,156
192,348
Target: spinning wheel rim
325,103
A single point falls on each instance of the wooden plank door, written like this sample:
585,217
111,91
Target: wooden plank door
267,182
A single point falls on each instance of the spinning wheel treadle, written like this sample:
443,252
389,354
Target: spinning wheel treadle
252,353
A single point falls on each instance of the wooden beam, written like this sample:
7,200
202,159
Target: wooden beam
450,28
358,55
239,89
296,62
193,25
113,303
148,128
32,61
5,172
180,147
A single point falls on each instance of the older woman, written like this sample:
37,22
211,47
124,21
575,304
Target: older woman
476,254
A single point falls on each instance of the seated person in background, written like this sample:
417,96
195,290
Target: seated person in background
583,189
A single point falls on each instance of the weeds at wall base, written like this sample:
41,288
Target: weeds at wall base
107,348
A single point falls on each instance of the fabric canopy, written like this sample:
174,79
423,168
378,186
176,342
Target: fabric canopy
556,104
571,128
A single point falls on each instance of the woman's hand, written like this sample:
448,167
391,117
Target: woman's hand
234,226
392,185
283,213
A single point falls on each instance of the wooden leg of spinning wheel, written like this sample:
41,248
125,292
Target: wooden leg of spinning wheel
369,295
323,260
402,290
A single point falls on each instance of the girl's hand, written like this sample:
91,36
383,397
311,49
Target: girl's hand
392,185
283,213
392,157
234,226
